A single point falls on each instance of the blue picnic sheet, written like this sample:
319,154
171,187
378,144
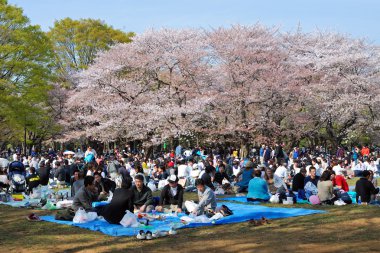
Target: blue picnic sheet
242,213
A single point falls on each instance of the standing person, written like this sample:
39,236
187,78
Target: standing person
171,196
142,195
261,153
267,155
44,173
33,180
364,188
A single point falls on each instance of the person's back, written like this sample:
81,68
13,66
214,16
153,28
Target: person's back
122,201
33,180
364,188
325,190
258,189
60,174
298,182
44,174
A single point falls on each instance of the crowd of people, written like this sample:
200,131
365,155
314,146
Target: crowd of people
266,173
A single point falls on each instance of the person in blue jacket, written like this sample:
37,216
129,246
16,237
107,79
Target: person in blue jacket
258,188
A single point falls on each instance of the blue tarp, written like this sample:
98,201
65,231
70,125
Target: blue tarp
242,213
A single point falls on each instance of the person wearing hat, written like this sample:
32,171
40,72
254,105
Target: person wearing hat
247,175
171,196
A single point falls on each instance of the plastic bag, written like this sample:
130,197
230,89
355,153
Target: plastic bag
80,216
91,216
129,220
36,193
49,206
217,216
201,219
152,186
190,206
274,199
64,203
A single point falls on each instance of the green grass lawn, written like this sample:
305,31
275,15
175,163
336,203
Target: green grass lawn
342,229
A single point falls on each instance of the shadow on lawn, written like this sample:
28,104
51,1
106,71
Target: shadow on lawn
347,228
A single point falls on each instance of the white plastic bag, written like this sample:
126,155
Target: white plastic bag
201,219
190,206
80,216
64,203
275,199
91,216
152,186
36,193
129,220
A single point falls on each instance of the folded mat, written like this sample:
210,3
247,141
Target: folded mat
242,213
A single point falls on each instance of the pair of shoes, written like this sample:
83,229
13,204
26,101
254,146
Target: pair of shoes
33,217
339,202
142,235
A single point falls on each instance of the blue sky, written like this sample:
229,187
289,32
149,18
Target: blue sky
359,18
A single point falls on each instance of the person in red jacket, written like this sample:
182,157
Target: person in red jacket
365,151
339,181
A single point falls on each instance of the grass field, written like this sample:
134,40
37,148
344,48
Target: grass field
342,229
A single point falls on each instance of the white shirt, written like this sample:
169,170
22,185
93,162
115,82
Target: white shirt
183,171
338,170
281,172
173,191
236,170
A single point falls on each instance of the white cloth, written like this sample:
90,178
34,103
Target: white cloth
236,170
338,170
183,171
173,190
281,172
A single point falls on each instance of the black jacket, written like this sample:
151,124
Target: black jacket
364,188
144,197
44,173
106,185
220,176
298,182
168,199
122,201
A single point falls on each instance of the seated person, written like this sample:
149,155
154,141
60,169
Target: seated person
325,189
299,180
86,195
142,195
313,177
221,175
104,185
207,199
33,180
171,196
258,188
339,181
122,201
78,183
207,177
247,175
364,188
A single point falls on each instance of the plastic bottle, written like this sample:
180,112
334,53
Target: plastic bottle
359,200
